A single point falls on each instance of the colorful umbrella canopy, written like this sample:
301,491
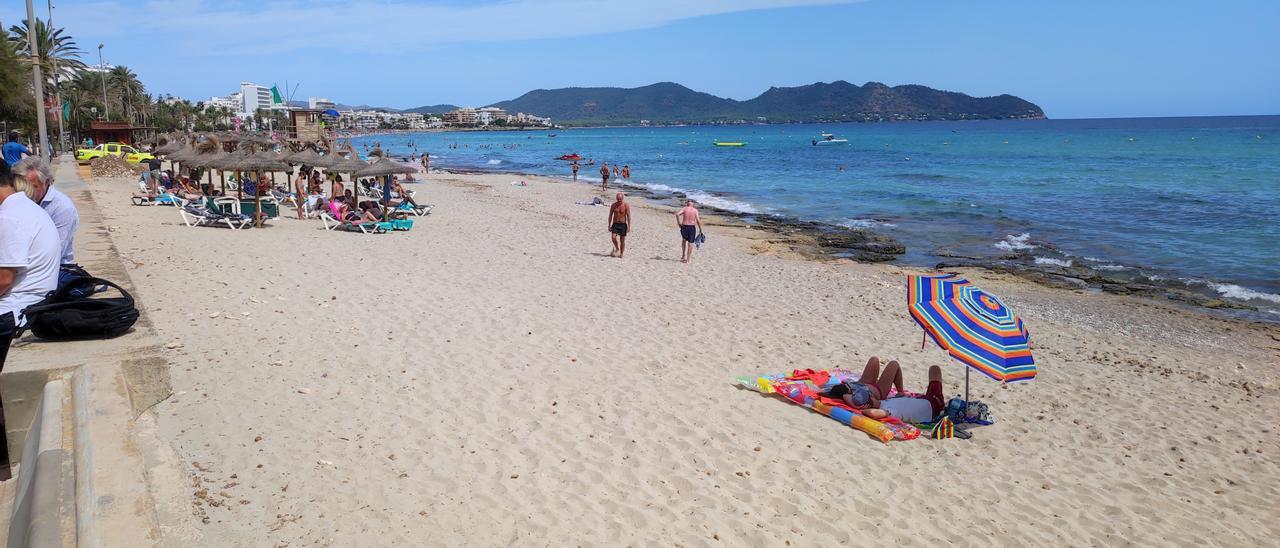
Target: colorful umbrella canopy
922,288
973,326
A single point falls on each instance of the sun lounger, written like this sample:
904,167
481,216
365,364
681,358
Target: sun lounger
346,226
200,215
419,211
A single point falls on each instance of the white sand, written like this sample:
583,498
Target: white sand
494,378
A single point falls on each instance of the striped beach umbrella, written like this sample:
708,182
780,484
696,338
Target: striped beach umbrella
921,288
973,326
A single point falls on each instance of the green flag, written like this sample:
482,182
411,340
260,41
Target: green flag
275,95
66,110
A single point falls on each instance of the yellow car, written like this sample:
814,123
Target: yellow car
130,154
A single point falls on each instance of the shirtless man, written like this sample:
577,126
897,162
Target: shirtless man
626,172
575,171
426,162
619,225
604,177
300,191
690,225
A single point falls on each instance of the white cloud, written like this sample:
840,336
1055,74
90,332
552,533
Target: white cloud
200,27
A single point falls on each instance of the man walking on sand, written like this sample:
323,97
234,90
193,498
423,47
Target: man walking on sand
426,162
619,224
604,176
690,227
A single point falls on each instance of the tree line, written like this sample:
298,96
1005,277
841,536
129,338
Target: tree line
81,88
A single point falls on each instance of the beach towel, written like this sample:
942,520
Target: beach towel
800,387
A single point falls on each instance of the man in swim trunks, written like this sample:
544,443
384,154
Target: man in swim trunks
619,224
690,227
575,171
604,176
868,394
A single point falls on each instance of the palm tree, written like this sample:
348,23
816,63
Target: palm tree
54,45
16,103
127,89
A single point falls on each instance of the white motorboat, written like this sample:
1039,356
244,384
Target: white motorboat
829,139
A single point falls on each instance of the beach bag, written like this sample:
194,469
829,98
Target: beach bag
64,316
69,273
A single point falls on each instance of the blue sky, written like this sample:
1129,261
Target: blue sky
1075,59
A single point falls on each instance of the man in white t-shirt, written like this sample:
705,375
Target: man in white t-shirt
59,207
29,257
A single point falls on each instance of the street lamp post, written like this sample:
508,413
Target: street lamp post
39,80
102,72
57,90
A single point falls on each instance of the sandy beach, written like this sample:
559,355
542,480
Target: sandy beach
494,377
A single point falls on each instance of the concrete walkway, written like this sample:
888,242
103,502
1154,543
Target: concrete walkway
76,433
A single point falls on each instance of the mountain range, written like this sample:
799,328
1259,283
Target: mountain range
839,101
668,102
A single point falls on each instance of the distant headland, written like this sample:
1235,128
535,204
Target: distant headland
669,103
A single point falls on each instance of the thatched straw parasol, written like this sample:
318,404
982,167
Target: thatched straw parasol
168,146
310,157
207,152
385,167
262,162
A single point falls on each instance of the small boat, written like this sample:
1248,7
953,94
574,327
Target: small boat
829,139
729,143
570,157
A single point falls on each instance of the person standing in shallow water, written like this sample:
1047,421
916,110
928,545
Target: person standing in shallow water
604,176
575,171
626,172
619,224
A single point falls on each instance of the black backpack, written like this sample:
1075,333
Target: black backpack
66,314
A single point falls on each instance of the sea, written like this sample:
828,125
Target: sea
1193,200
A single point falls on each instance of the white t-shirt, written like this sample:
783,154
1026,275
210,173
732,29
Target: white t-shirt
29,243
65,216
908,409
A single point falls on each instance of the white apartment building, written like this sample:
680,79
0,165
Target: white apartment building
414,120
254,97
320,103
490,115
231,101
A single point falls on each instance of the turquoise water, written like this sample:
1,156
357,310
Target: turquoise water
1196,199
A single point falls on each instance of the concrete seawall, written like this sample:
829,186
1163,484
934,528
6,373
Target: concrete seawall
72,412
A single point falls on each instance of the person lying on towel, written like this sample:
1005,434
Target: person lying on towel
867,394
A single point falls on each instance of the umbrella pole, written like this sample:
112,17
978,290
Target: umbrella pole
222,175
257,200
966,385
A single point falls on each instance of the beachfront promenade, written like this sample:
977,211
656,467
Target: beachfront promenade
494,377
73,419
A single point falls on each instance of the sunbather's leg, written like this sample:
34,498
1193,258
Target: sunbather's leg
870,373
890,376
933,392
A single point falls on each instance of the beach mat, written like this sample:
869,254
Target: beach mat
803,388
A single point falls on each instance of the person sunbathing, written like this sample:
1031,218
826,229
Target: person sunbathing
188,191
869,392
405,198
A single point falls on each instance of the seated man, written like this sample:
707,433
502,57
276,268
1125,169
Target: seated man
868,394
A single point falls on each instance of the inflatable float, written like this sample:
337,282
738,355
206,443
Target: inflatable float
805,393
